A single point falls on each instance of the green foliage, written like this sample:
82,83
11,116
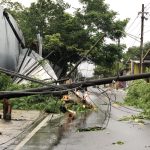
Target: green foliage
134,52
90,129
5,81
118,143
105,71
118,29
11,6
78,107
45,103
133,118
68,40
38,102
147,69
52,42
138,95
98,17
110,54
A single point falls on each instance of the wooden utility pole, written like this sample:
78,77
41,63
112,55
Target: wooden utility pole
142,34
60,90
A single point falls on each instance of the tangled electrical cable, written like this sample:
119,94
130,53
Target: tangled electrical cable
103,104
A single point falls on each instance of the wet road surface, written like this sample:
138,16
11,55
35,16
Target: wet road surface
62,136
133,135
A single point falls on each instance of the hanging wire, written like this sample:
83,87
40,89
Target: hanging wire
147,31
147,7
131,35
132,23
100,95
133,43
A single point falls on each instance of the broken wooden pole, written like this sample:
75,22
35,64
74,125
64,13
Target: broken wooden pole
6,109
16,94
108,80
63,89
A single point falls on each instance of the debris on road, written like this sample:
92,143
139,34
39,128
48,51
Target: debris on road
133,118
118,143
90,129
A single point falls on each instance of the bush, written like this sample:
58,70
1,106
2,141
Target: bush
139,95
5,81
37,102
46,103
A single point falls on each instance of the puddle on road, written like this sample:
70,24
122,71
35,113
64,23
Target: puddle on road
51,134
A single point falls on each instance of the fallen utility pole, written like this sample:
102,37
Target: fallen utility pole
60,91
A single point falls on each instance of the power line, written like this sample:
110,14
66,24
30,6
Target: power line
147,31
130,35
133,22
133,36
147,6
133,43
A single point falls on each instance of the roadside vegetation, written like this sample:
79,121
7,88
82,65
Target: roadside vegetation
39,102
138,95
45,103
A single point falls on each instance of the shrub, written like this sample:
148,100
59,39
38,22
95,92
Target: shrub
36,102
139,95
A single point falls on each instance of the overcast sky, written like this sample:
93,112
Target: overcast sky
125,9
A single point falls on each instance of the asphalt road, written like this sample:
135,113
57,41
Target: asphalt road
118,135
